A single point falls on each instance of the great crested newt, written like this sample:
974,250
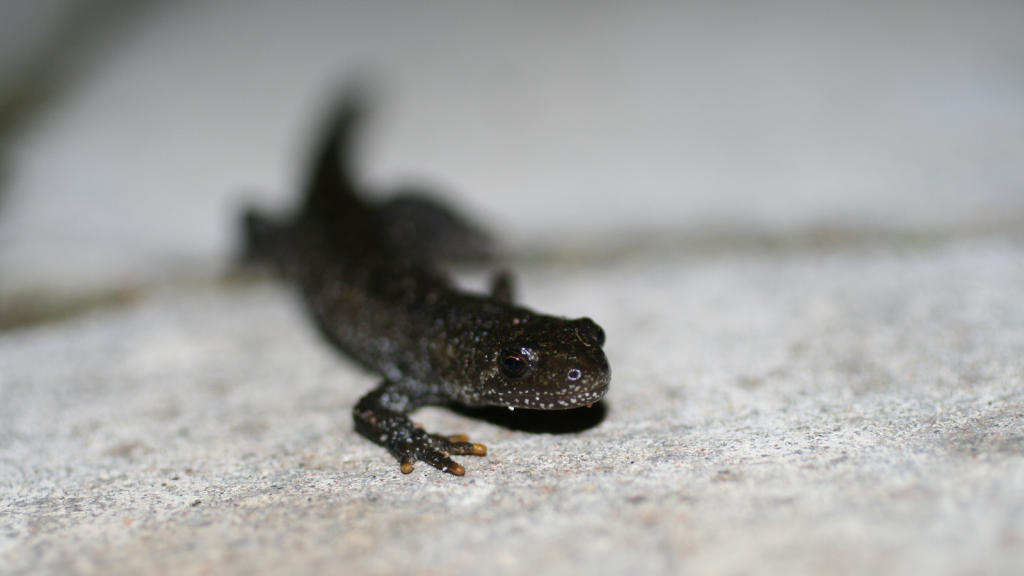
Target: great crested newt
370,276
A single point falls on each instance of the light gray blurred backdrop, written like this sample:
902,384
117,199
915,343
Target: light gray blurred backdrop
551,121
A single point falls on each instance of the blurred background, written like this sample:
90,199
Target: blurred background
131,131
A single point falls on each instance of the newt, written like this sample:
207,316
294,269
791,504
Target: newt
371,277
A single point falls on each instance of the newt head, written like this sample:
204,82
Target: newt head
547,363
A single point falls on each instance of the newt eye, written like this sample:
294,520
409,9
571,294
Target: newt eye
587,328
514,363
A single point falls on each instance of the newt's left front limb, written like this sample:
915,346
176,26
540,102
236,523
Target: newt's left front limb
381,417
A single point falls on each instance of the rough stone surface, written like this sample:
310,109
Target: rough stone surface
807,412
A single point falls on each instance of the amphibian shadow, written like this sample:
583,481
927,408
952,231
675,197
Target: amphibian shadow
540,421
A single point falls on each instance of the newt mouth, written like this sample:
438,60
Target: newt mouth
537,401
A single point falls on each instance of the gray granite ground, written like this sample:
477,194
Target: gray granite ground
800,225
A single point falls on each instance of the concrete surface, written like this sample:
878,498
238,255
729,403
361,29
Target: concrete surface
800,226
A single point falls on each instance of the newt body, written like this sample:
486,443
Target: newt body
370,277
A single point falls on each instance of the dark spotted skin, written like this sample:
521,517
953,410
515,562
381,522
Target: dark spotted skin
369,275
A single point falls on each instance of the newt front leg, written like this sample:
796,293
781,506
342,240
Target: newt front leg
380,416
